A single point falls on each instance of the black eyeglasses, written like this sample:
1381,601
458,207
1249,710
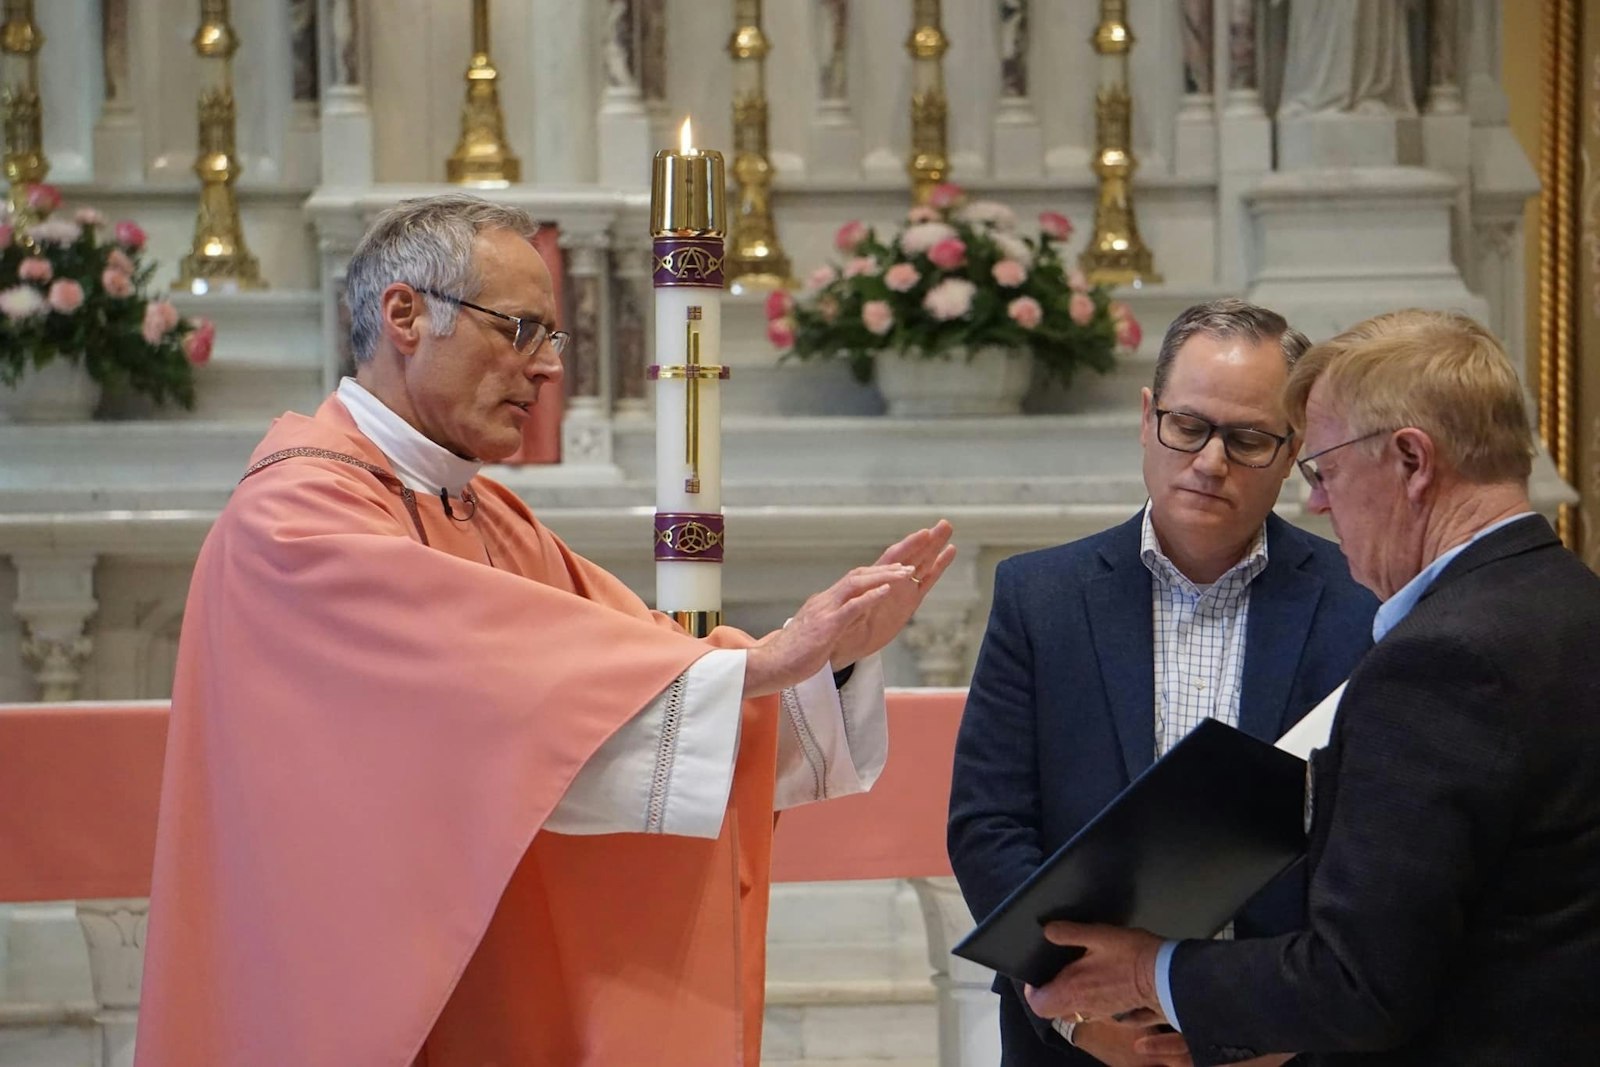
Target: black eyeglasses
531,333
1182,432
1311,470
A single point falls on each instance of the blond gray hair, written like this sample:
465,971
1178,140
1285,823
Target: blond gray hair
427,244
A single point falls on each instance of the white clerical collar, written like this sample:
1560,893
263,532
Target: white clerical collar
420,464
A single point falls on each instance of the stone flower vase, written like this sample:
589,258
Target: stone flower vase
60,391
992,382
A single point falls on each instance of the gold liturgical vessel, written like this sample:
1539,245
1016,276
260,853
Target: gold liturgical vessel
1115,254
482,156
756,259
219,258
20,41
929,163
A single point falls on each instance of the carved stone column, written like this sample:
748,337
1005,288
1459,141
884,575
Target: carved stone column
1018,140
633,306
55,600
115,933
586,426
346,115
1446,126
941,634
969,1020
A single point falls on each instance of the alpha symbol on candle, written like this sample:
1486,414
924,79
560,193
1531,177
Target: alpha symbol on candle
691,436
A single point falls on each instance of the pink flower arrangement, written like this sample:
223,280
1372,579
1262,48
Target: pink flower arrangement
955,277
67,294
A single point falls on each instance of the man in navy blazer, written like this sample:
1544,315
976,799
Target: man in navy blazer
1454,851
1102,653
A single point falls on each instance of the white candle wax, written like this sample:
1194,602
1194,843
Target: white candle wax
684,585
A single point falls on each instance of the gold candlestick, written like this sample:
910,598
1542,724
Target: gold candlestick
756,259
1116,254
929,164
482,157
219,257
20,41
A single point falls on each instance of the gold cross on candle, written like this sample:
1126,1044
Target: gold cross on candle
691,409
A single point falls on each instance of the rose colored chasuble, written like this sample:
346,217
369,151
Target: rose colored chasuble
367,734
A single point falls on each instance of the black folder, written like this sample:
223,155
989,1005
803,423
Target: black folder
1178,852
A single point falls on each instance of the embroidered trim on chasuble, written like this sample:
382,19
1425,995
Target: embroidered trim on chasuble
386,477
666,752
815,757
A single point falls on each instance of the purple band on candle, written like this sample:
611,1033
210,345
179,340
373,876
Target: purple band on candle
688,537
688,261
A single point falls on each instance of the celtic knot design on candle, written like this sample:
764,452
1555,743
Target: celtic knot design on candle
696,538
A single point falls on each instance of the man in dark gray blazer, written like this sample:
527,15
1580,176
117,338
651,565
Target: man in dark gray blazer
1102,653
1454,851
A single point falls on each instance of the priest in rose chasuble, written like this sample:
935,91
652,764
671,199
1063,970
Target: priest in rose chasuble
439,791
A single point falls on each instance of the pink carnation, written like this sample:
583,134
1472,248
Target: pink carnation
781,333
65,296
902,277
1081,308
950,299
1120,310
43,198
35,269
88,216
1025,312
117,284
129,235
948,254
1077,280
118,260
1009,274
861,265
946,195
159,319
1128,333
197,346
1055,225
822,277
922,213
779,304
850,234
877,316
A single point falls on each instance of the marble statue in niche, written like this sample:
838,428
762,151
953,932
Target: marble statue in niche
303,47
621,59
832,74
1347,56
1196,37
652,54
345,17
114,46
1013,47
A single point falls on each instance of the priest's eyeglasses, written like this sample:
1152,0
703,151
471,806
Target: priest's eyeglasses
1311,470
531,333
1182,432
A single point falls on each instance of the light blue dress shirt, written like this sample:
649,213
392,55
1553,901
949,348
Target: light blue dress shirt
1390,612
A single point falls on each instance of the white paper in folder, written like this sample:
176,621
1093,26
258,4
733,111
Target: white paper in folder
1314,730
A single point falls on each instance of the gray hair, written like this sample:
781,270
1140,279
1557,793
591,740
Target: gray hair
427,244
1222,320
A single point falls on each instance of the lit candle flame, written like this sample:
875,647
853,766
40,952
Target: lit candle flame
686,139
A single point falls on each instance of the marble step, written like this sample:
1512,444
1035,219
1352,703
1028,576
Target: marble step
884,1023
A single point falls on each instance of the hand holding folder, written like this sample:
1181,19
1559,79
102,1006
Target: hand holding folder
1178,852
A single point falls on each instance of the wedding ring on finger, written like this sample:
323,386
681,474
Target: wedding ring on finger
1079,1018
914,578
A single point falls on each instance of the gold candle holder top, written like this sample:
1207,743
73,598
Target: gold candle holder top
688,191
20,111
